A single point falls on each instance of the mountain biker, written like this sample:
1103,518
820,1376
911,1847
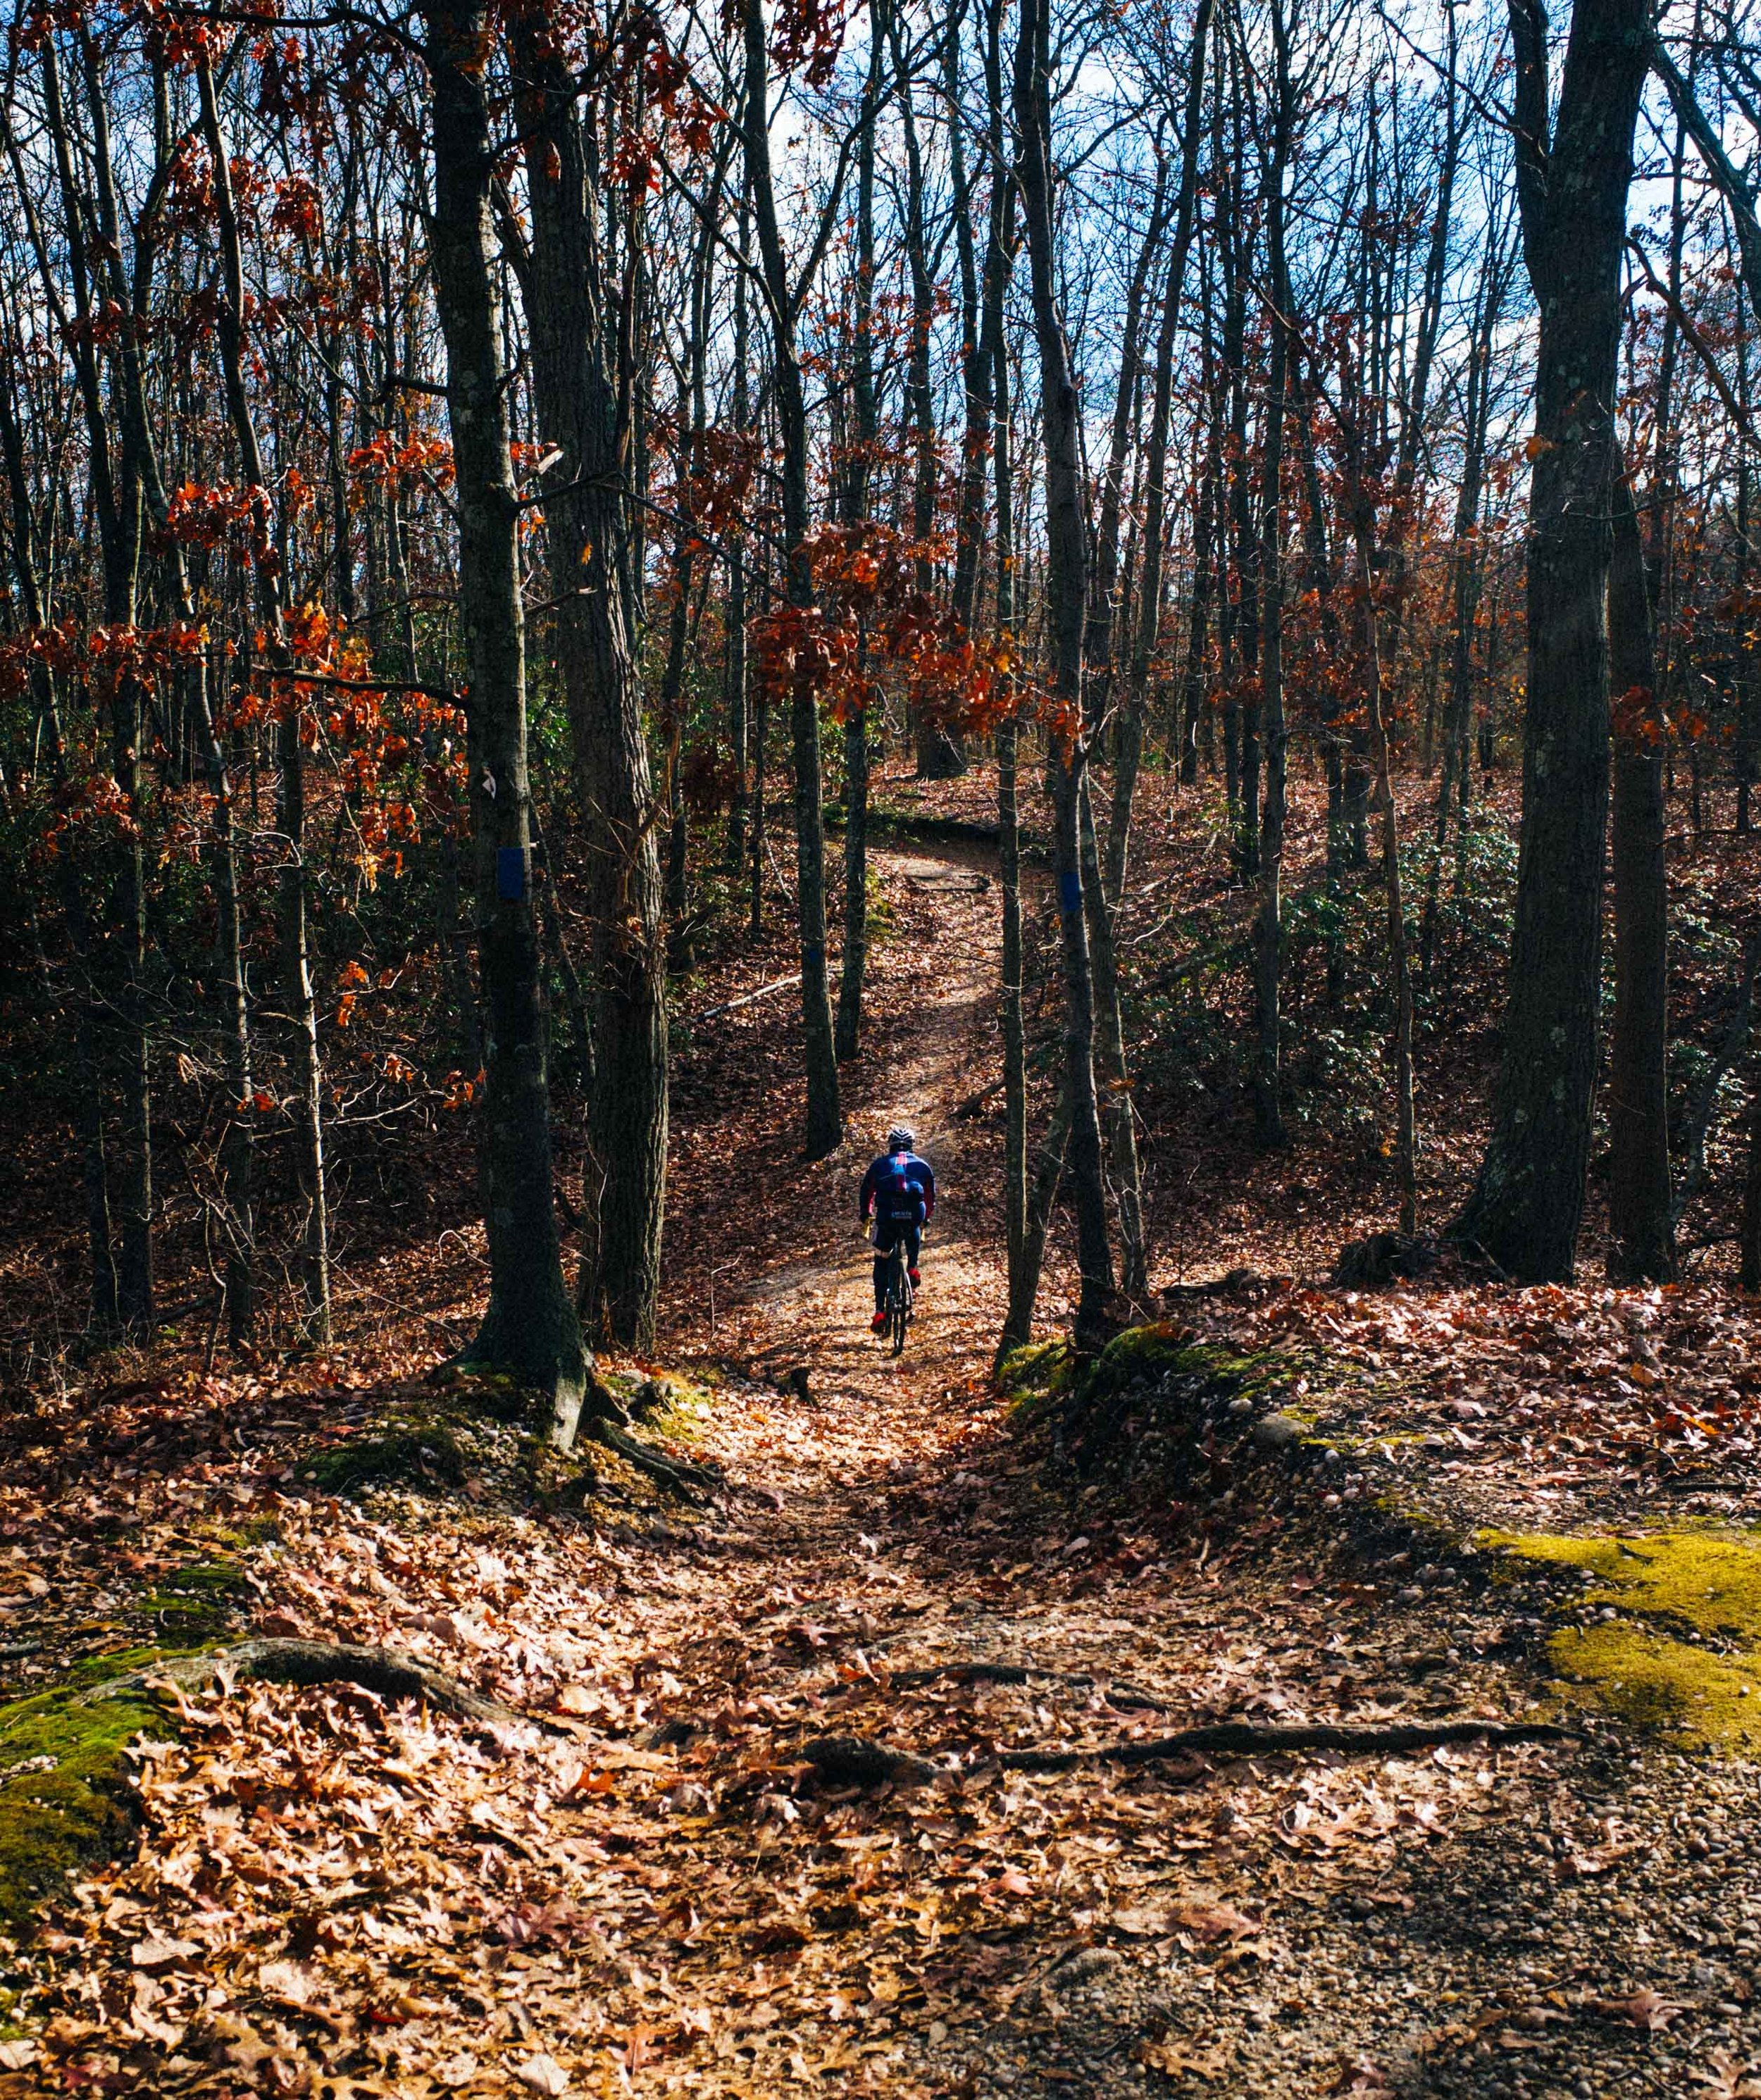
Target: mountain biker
899,1193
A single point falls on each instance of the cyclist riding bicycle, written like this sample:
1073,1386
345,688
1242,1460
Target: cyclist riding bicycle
899,1193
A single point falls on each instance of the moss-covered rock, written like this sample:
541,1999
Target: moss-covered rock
1684,1652
1032,1376
64,1801
424,1455
1155,1403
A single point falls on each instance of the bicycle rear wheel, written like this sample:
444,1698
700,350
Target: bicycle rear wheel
899,1302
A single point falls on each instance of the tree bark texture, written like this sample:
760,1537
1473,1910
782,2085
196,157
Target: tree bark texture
1066,589
530,1329
623,1175
1527,1204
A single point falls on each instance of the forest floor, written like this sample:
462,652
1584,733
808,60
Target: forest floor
646,1884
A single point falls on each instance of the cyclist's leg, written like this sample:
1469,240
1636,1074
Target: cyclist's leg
883,1248
913,1252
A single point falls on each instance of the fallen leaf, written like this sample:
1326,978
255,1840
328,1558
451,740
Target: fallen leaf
1177,2060
1727,2079
543,2074
1215,1921
152,1953
1645,2009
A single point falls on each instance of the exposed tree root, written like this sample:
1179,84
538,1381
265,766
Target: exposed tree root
1248,1738
678,1477
856,1761
859,1761
391,1672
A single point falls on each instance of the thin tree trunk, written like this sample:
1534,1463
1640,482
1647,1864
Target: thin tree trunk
1362,509
290,814
824,1125
739,734
88,1101
1269,925
989,398
1156,454
1066,557
854,965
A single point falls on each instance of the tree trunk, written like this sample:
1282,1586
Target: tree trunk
1066,585
940,756
530,1328
1641,1234
586,532
852,966
824,1129
1156,454
1528,1202
1269,925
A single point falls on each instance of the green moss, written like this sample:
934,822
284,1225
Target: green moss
64,1802
1034,1374
1668,1586
1160,1350
197,1603
424,1455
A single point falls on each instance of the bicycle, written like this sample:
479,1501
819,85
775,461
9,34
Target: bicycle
897,1301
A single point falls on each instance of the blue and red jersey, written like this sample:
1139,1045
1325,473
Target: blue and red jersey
898,1187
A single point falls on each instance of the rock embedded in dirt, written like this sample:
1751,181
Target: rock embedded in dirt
1278,1433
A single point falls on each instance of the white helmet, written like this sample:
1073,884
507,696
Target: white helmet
900,1140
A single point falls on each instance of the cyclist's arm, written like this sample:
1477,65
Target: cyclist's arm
929,1189
865,1199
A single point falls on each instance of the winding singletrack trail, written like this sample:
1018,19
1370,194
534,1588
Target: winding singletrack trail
1267,1927
667,1884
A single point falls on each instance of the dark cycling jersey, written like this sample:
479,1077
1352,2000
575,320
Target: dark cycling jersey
899,1188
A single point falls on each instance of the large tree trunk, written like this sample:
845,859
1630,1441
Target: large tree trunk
624,1178
1528,1202
1066,588
824,1129
530,1328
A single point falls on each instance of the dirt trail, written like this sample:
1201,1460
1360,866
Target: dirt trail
1269,1927
648,1891
827,1289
